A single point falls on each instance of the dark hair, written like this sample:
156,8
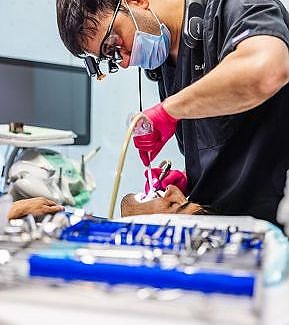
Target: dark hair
73,17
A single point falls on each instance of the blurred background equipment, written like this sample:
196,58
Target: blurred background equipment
46,95
47,173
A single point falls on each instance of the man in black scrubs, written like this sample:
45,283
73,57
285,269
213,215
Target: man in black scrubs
223,72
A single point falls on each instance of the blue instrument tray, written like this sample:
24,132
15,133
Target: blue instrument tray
57,264
102,231
201,273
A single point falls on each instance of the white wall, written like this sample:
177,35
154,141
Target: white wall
28,30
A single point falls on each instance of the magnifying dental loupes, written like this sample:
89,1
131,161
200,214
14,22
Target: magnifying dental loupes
92,64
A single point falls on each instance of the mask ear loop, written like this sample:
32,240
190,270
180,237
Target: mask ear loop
156,17
134,21
132,16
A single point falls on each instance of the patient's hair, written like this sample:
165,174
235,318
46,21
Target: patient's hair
80,19
126,205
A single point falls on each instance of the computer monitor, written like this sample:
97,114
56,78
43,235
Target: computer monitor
46,95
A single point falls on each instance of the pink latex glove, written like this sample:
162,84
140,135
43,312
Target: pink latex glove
164,127
173,177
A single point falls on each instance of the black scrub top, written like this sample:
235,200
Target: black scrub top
236,164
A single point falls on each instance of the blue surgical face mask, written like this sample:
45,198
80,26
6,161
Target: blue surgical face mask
150,51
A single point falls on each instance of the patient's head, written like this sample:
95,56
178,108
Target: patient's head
173,201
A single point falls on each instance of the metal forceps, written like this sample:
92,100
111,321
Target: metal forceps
155,189
165,165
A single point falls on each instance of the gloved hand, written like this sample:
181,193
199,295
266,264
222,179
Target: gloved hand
164,126
173,177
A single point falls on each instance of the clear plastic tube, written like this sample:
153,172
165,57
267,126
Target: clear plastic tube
143,127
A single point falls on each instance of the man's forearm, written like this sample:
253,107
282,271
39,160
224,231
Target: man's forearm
242,81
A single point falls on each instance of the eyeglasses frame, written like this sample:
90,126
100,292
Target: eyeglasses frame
108,32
